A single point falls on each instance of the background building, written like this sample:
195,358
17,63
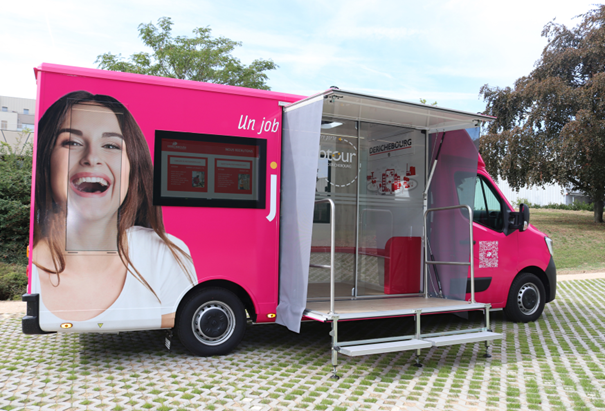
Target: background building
17,118
542,195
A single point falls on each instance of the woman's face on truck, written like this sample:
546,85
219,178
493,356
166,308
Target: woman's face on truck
89,165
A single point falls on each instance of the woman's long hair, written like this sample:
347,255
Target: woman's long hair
137,207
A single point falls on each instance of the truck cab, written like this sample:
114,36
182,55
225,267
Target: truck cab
513,260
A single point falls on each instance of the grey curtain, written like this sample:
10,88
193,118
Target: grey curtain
300,153
448,230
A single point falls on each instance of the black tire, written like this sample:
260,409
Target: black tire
526,299
211,322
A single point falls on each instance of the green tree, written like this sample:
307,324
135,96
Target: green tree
550,126
424,101
199,58
15,197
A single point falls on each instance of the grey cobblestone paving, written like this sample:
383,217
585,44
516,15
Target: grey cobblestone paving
556,363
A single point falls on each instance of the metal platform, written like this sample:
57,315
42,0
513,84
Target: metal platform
368,308
373,308
334,310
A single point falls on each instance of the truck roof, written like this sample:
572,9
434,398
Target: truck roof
164,81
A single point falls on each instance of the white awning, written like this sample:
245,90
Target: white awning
372,109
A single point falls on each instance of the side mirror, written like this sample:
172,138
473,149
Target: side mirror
516,220
524,214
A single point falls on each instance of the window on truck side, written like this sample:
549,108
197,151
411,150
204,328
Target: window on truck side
488,206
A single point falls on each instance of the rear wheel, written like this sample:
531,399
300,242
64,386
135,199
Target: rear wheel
526,298
211,322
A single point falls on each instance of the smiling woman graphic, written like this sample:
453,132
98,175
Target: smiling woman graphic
101,256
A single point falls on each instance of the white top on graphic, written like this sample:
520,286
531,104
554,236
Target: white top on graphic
136,308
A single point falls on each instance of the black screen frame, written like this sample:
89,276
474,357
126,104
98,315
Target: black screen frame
159,200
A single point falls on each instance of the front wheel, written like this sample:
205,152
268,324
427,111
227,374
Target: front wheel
526,298
211,322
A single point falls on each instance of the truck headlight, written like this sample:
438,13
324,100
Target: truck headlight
549,245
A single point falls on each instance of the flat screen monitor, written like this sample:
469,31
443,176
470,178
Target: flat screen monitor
205,170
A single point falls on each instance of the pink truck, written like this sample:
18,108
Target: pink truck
197,208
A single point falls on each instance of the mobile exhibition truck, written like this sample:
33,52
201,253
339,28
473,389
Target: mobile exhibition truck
193,207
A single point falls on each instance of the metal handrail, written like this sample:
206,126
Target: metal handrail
332,248
426,239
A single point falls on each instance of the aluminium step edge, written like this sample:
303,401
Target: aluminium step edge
464,338
368,349
415,344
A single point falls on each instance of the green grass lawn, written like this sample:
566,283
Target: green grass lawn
579,242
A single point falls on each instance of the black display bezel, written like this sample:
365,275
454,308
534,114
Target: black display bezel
160,200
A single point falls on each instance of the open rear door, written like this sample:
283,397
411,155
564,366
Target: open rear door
455,159
301,126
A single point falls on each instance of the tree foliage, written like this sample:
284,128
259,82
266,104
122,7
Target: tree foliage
424,101
550,126
199,58
15,197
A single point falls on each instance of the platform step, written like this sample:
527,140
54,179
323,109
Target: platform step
463,338
367,349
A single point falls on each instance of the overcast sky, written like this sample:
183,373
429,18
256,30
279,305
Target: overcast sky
442,51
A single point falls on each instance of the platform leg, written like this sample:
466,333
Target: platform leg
334,334
334,364
418,359
487,328
487,354
417,318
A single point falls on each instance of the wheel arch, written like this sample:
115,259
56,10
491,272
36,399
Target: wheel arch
538,272
236,289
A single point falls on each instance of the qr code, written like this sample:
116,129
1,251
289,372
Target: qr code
488,254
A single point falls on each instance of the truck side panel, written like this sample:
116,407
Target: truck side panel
234,244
